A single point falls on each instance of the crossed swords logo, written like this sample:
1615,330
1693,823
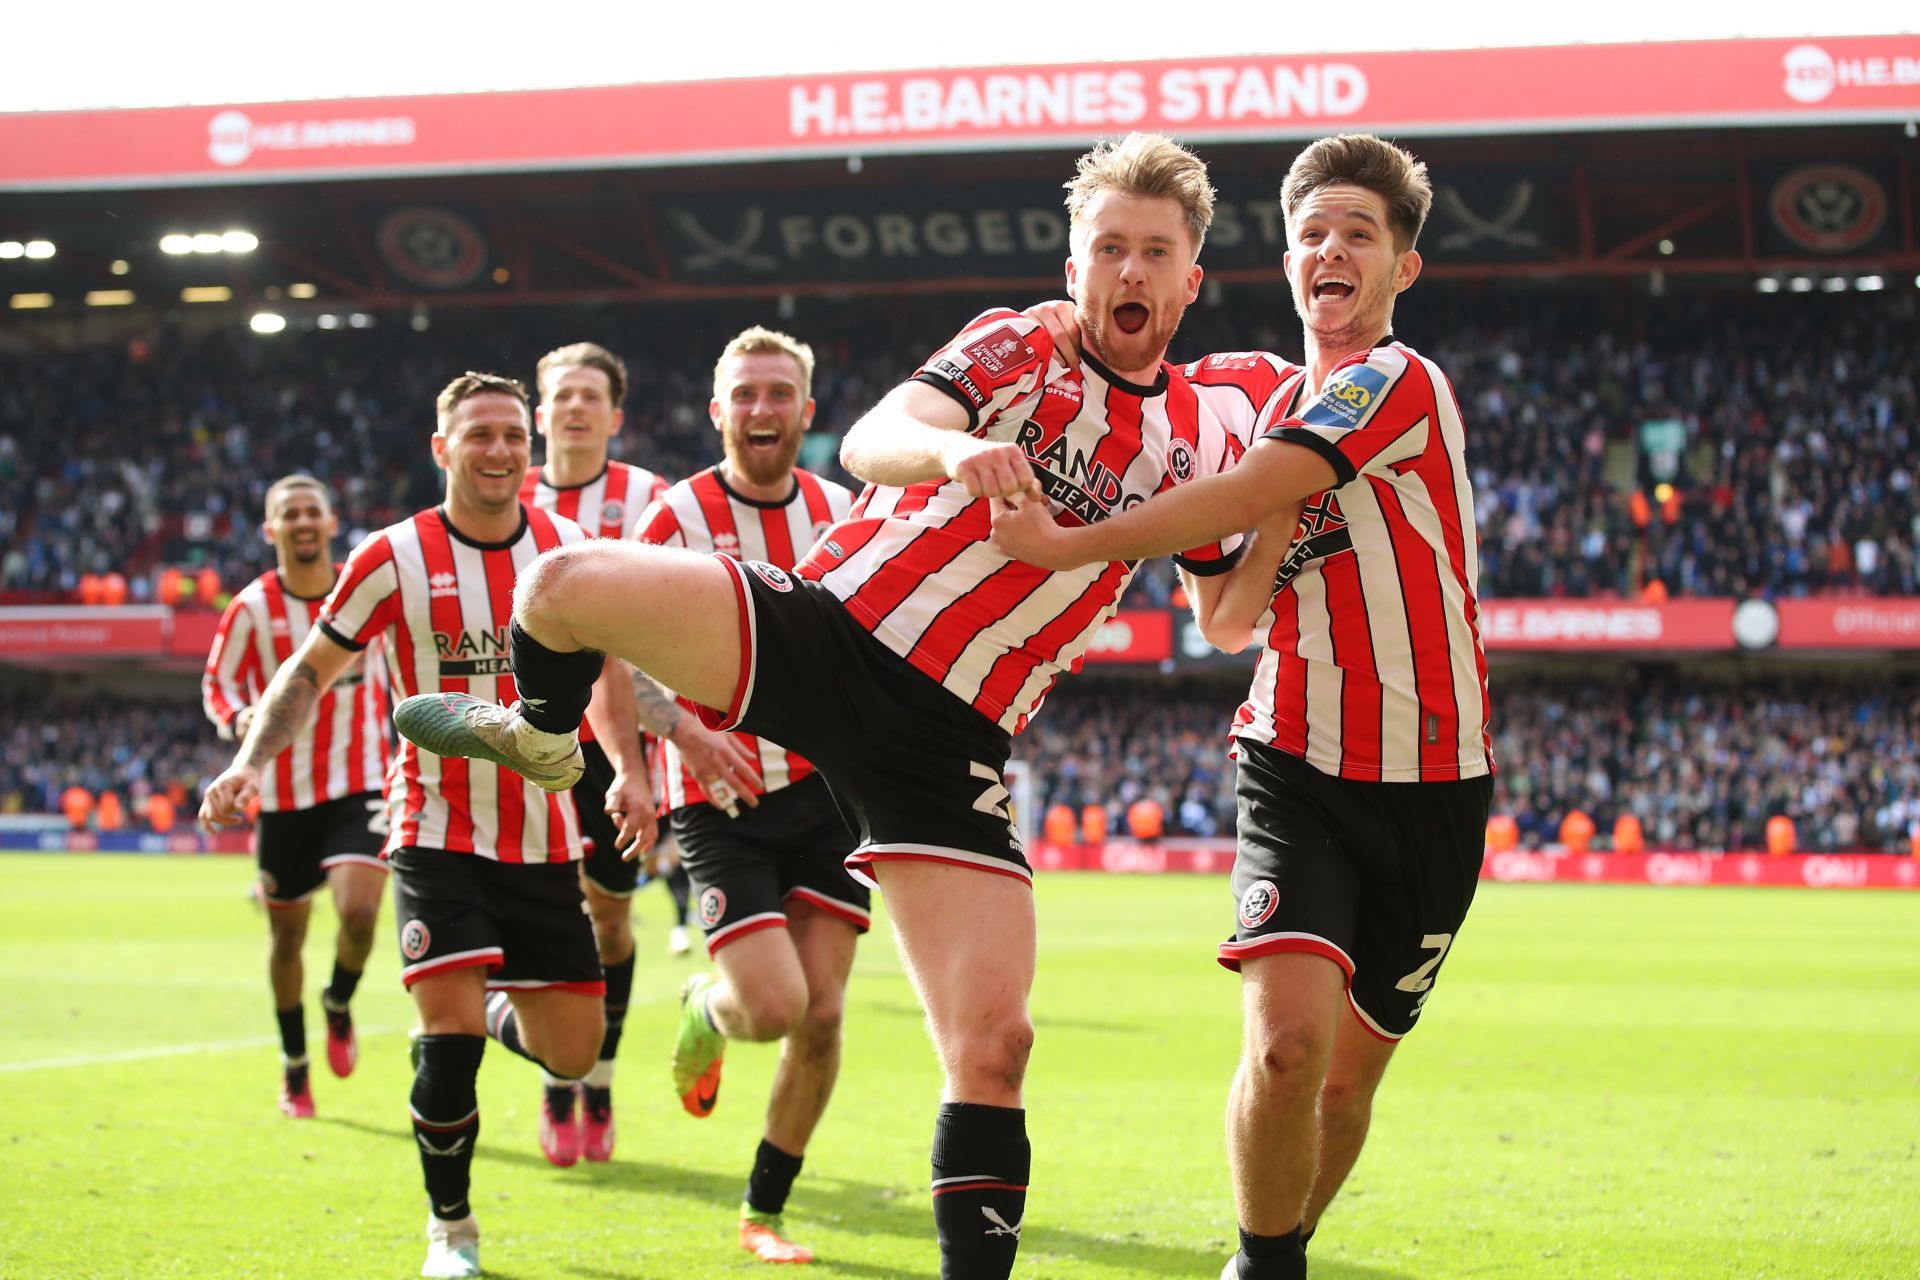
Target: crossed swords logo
1502,228
713,251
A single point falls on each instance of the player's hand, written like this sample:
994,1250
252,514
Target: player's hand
1027,531
720,762
226,801
1062,324
990,470
630,805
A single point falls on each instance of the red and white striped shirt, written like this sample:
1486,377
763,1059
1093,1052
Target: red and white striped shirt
705,514
607,506
443,603
344,751
914,565
1372,667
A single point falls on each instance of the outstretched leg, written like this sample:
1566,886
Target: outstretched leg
967,937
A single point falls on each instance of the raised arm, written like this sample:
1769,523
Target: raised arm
1273,476
283,710
919,433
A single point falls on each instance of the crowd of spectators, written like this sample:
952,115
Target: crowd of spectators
1791,469
1702,760
130,747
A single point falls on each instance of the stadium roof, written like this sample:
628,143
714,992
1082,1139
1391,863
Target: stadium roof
1538,90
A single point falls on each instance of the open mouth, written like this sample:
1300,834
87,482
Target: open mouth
1130,317
496,475
763,439
1332,288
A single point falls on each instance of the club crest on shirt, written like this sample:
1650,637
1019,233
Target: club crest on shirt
612,512
1179,460
713,905
1257,904
772,575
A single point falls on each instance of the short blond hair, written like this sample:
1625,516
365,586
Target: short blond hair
584,355
1372,164
298,480
1149,165
760,340
471,384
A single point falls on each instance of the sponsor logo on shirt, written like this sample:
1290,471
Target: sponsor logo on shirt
465,654
1322,532
1346,399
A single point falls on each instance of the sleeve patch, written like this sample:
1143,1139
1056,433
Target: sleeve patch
957,374
1347,398
1002,352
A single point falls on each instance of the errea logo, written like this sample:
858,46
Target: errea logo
441,585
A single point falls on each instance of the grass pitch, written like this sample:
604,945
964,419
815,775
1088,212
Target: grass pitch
1612,1082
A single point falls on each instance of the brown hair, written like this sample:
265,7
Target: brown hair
298,480
759,340
471,384
584,355
1149,165
1374,164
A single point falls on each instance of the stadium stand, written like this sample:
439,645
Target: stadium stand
1792,473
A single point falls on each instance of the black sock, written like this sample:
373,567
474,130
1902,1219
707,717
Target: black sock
293,1032
1271,1257
554,687
619,991
680,885
345,982
980,1162
446,1119
503,1024
772,1178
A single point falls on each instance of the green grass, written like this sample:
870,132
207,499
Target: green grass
1612,1082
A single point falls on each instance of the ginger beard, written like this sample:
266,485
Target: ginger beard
762,413
1128,334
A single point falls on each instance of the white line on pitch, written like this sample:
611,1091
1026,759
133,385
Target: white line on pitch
162,1051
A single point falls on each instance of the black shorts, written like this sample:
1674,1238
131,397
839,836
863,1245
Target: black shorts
525,921
611,874
744,869
296,848
919,774
1375,876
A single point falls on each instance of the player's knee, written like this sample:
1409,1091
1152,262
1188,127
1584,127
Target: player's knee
1287,1057
996,1054
573,1055
358,919
819,1031
1346,1101
554,576
771,1010
287,932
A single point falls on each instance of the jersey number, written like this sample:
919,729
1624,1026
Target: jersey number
1422,978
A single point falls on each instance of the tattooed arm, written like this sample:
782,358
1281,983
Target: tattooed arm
721,762
283,710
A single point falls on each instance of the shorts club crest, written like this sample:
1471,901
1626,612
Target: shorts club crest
1257,904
